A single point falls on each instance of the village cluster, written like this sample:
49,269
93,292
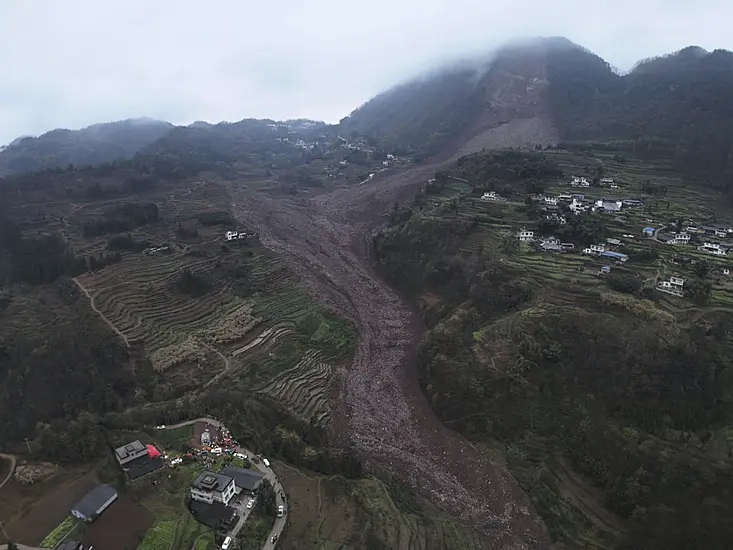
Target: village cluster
713,239
220,497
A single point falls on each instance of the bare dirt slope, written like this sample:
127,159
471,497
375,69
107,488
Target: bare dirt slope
384,414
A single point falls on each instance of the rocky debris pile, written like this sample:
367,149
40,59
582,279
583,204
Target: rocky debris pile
382,412
28,474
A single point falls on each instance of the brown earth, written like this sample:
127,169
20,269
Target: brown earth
123,525
30,512
382,411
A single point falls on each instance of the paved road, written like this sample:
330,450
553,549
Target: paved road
279,524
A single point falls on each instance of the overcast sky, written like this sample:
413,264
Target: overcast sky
72,63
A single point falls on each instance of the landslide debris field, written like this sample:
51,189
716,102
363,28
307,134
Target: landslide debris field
383,412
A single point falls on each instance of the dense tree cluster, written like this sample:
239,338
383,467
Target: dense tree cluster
677,106
123,217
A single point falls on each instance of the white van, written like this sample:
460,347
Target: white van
266,462
226,543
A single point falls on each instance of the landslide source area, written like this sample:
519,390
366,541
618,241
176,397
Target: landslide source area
382,411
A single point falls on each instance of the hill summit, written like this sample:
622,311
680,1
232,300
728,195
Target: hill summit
547,90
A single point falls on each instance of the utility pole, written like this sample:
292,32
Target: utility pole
5,534
28,445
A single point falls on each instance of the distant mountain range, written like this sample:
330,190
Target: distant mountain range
92,145
528,94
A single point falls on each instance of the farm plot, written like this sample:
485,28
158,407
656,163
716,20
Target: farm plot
304,389
123,525
31,512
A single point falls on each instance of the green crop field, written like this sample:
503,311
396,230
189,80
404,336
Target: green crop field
55,536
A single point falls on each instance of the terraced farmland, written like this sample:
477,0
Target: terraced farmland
304,389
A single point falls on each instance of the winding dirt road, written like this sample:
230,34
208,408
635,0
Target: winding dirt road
385,416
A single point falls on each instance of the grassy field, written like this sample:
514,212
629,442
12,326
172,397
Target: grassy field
255,532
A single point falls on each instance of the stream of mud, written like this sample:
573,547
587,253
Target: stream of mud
382,412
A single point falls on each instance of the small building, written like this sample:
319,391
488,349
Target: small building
131,451
385,163
609,204
344,163
597,248
96,501
137,460
674,286
245,480
551,244
615,256
210,487
390,157
614,242
578,206
206,437
712,248
550,200
490,196
525,236
605,270
231,235
607,181
681,238
632,202
579,182
648,231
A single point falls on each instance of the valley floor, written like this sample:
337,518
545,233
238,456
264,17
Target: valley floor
382,412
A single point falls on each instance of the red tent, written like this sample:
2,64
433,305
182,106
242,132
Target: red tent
152,451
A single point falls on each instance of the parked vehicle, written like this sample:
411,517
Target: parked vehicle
226,543
280,511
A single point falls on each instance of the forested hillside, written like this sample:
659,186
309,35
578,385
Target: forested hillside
92,145
585,389
422,115
679,105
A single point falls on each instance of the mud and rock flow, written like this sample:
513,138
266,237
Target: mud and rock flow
382,412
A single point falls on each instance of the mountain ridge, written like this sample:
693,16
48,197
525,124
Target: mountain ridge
93,144
570,93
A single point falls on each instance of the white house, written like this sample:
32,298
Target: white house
344,163
674,286
712,248
489,196
385,163
577,206
231,235
210,487
579,182
722,233
594,249
525,236
609,205
390,157
681,238
550,201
